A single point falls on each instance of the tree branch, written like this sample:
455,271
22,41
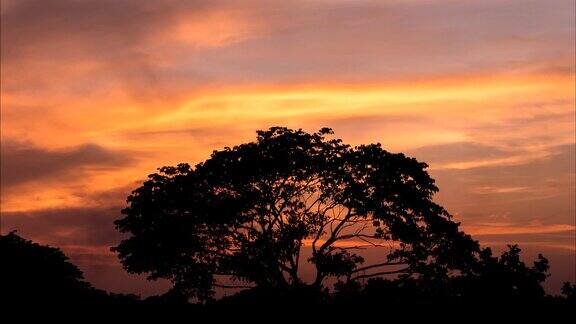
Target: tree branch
383,264
378,274
232,286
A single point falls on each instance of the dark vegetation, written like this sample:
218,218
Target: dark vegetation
248,218
32,274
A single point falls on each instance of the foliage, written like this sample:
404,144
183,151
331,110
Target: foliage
247,212
34,274
493,280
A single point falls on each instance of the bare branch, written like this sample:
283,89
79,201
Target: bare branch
232,286
378,274
377,265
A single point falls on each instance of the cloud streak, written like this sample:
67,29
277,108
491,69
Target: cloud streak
517,228
23,162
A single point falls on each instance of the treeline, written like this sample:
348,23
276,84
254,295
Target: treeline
247,212
36,274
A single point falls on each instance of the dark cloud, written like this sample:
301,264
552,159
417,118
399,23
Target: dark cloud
91,226
300,40
89,25
92,46
23,162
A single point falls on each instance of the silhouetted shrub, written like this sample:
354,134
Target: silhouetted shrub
33,274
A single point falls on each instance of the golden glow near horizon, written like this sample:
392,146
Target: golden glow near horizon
98,94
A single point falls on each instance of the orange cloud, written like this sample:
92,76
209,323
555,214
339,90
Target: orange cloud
229,115
516,228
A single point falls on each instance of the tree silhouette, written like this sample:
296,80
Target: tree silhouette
33,274
569,291
492,280
246,213
507,277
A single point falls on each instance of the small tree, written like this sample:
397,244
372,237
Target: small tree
249,211
493,280
34,274
507,277
569,291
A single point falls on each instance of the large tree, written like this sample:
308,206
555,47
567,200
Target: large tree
247,213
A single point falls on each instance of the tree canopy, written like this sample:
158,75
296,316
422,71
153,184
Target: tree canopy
494,280
243,217
34,274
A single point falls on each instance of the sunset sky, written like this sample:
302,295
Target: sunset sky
96,94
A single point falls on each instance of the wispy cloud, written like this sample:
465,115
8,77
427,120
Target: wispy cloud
517,228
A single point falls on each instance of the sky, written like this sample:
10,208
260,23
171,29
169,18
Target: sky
97,94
